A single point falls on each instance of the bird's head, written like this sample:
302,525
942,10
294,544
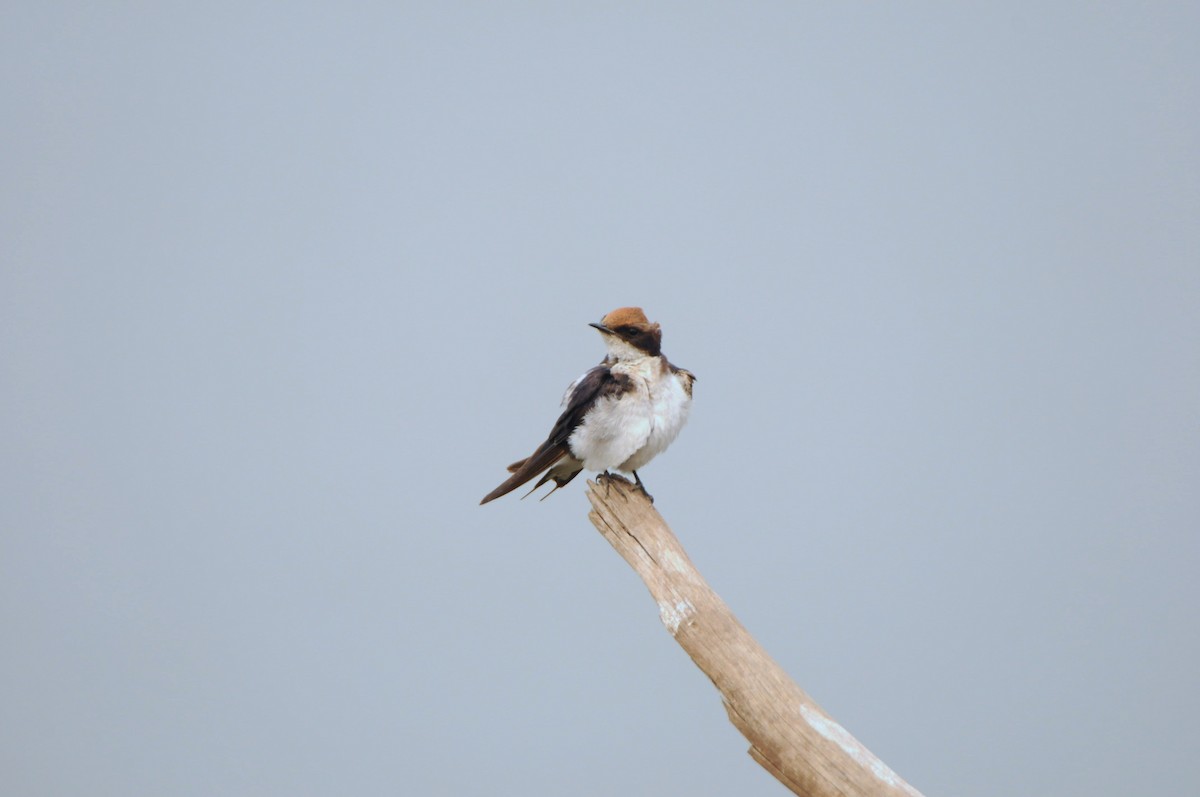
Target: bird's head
628,334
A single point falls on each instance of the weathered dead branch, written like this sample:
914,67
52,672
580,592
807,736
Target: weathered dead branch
789,734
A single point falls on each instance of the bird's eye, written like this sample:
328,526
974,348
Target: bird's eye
630,331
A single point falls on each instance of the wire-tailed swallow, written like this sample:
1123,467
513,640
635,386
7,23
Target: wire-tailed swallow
619,415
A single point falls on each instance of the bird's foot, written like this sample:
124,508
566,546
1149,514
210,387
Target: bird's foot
606,478
637,482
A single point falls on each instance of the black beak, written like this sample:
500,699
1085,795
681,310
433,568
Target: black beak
603,329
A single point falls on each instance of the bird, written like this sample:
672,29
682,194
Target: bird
618,415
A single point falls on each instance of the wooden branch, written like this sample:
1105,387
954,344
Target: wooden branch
789,734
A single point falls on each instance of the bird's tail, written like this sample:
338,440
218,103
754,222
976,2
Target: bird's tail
525,469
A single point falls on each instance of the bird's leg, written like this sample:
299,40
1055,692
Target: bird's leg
606,477
637,482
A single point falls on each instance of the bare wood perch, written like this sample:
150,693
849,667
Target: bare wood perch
789,734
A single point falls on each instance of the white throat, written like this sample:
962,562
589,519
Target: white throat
621,349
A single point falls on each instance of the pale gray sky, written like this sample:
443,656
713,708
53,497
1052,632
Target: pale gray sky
284,287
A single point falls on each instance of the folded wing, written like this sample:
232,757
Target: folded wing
592,386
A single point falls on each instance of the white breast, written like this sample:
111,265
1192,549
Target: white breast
670,404
626,432
613,429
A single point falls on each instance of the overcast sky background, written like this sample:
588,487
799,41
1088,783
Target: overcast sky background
284,287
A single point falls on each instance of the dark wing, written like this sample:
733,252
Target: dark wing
595,384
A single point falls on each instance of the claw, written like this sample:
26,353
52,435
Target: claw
637,482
